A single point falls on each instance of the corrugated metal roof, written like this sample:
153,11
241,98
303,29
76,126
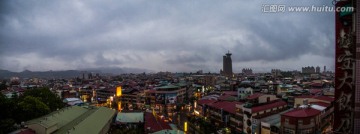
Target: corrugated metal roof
60,117
76,119
130,117
95,122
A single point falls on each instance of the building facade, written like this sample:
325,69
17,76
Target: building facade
258,107
347,83
300,121
308,70
227,65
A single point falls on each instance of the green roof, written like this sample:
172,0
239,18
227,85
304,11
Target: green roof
60,117
95,122
76,119
130,117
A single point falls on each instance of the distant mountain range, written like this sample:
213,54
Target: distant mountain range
5,74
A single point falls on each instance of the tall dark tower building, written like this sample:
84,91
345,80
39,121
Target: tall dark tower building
317,69
227,65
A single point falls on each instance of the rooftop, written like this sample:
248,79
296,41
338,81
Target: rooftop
155,124
133,117
60,117
302,112
95,122
273,120
225,105
321,104
168,87
254,96
205,101
227,98
273,104
324,98
75,119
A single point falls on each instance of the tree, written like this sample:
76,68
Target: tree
32,104
3,85
47,97
31,107
6,114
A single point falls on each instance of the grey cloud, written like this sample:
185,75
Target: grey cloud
194,34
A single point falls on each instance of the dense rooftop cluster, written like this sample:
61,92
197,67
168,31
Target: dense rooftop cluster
242,103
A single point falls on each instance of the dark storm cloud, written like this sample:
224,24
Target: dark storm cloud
180,35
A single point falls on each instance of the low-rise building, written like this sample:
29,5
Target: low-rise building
301,120
74,119
223,114
259,106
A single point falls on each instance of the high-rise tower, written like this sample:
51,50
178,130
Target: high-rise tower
227,64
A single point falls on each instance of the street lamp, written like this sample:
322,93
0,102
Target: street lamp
185,126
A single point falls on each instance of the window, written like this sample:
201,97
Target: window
305,102
288,131
306,131
286,121
300,122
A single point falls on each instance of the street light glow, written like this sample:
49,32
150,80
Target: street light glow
185,126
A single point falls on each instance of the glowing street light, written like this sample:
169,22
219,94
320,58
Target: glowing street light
185,126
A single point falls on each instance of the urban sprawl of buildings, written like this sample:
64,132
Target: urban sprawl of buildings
278,102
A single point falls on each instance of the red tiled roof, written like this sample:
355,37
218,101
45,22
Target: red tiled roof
155,124
268,106
229,106
205,101
302,112
324,98
254,96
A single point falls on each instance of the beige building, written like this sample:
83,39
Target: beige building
259,106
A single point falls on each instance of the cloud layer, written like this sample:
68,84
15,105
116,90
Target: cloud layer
162,35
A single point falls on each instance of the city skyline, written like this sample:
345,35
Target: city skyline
176,36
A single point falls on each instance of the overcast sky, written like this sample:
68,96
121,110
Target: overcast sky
163,35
